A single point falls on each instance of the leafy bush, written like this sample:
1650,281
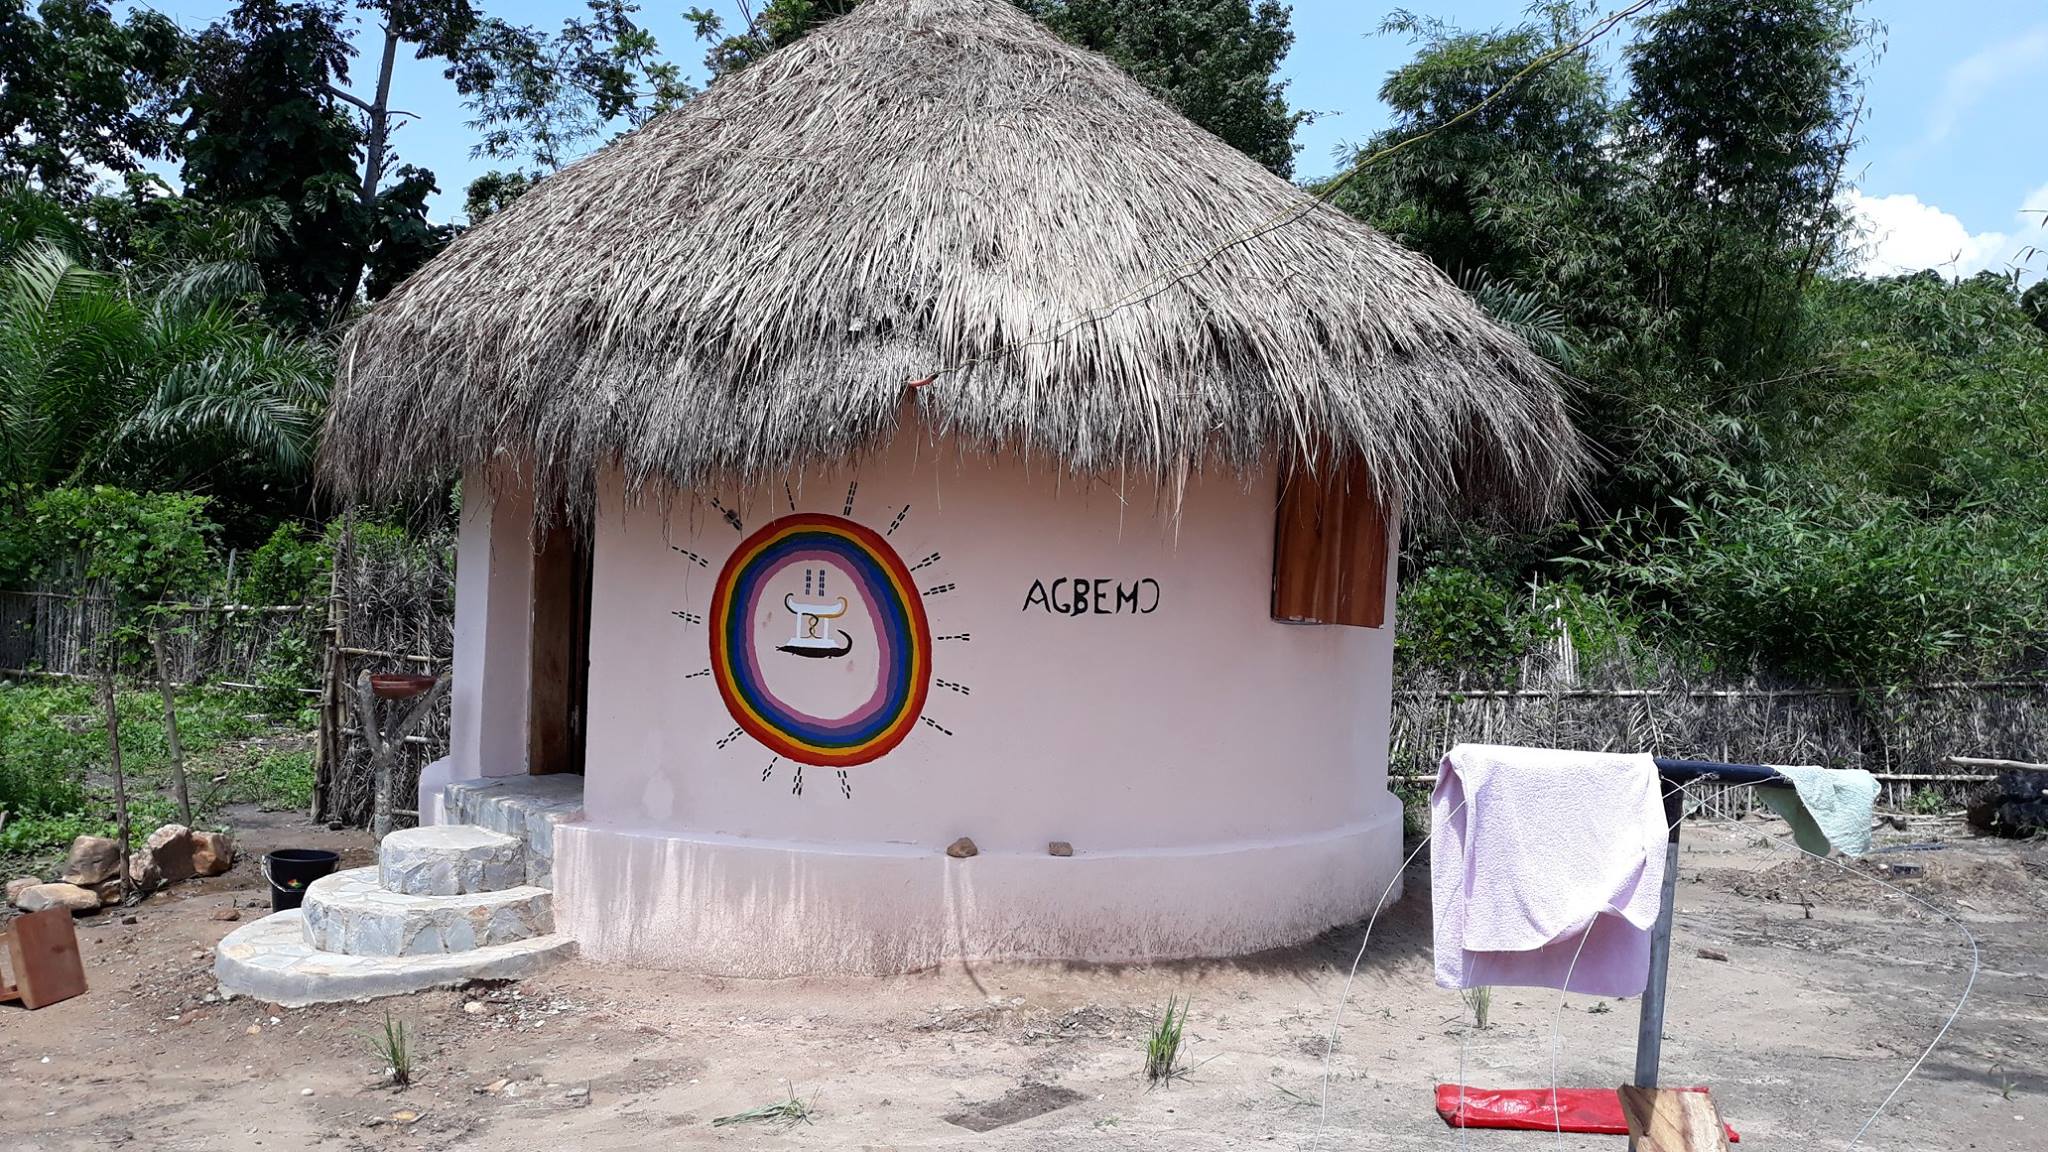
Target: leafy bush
38,834
43,761
53,760
1837,588
1455,618
143,545
273,780
288,568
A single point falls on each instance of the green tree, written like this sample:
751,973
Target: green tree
1213,60
97,383
489,193
2034,302
278,116
541,97
263,127
82,92
1740,117
1525,192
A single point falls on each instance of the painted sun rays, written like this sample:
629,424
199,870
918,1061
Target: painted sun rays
826,589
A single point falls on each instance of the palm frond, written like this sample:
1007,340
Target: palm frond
1523,312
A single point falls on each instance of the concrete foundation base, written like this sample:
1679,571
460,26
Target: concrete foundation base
746,907
269,960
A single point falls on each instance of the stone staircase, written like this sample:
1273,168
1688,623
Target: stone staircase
445,904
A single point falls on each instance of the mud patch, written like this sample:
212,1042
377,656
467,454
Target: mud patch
1023,1102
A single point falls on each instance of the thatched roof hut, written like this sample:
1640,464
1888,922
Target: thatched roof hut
937,190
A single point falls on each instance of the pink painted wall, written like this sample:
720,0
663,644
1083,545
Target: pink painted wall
1202,725
493,636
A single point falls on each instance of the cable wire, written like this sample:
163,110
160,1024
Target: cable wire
1344,996
1186,270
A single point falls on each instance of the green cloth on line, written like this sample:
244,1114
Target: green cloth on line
1825,806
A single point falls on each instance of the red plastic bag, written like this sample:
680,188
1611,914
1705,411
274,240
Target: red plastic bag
1593,1110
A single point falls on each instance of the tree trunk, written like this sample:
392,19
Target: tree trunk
376,144
381,757
107,696
163,687
387,742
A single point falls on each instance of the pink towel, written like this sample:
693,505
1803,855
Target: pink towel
1536,850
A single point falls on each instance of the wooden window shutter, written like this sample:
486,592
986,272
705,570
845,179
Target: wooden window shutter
1329,549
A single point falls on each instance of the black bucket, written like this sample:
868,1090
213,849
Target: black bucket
289,870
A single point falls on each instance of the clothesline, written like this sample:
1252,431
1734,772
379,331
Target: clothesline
1928,777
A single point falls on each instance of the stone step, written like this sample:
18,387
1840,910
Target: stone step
450,860
350,914
526,808
269,960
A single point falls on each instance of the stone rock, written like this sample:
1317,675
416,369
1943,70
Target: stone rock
228,914
1059,848
349,913
962,848
16,887
59,895
143,872
450,860
212,853
171,847
93,859
2015,805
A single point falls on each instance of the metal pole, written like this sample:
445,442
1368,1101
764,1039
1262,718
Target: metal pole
1650,1032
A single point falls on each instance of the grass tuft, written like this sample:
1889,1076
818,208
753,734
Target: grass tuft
394,1047
1163,1043
787,1113
1481,1002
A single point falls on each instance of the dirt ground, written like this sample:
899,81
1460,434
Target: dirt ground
1831,988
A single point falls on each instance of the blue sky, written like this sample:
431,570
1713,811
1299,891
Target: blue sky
1953,152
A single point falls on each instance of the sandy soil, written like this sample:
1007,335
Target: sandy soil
1831,988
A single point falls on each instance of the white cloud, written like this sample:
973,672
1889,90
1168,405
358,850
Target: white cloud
1899,233
1978,75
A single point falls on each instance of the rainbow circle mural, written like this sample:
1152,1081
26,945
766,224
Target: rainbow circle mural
901,641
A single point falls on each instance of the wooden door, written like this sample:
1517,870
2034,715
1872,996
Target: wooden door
558,707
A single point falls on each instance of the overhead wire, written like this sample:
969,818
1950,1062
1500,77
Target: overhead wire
1330,1041
1187,269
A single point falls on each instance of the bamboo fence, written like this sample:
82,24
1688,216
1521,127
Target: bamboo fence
390,608
1902,734
57,632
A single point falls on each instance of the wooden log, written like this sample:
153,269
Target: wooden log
1992,765
1671,1120
179,790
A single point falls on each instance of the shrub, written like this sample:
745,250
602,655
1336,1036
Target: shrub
288,568
42,761
1455,618
143,545
1837,587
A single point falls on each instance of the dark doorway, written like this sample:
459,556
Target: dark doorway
558,709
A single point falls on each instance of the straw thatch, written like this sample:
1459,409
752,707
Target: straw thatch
746,285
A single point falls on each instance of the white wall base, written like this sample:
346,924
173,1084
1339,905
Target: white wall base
737,906
433,808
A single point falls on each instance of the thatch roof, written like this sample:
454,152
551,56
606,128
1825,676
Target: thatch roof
745,286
